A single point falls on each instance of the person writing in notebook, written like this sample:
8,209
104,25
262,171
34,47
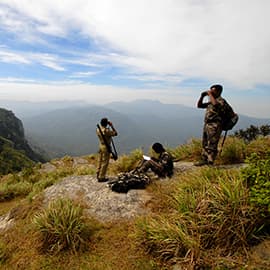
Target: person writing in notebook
162,165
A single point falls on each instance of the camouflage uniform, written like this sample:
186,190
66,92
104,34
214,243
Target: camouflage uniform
163,166
212,130
104,154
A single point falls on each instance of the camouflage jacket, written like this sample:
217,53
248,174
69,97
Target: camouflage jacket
214,113
165,160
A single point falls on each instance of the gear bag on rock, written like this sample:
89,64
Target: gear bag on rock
129,180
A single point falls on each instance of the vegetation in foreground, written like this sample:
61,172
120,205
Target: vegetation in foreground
213,213
11,159
203,219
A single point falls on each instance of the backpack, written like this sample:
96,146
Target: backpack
229,117
130,180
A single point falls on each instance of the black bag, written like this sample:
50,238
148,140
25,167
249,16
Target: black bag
229,117
130,180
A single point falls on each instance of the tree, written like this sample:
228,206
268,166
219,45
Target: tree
252,132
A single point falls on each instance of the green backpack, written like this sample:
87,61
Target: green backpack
229,117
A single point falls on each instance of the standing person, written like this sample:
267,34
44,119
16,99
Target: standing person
162,165
212,123
104,153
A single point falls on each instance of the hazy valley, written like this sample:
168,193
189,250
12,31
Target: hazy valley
68,128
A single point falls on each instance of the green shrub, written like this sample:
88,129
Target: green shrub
12,160
67,160
253,132
233,151
210,210
126,163
40,186
84,170
10,191
257,176
165,238
189,151
260,146
62,227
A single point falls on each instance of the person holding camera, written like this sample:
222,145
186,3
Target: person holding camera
105,135
212,123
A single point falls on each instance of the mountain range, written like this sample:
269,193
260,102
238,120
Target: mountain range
69,128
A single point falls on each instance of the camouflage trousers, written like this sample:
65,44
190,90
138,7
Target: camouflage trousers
150,164
103,162
210,139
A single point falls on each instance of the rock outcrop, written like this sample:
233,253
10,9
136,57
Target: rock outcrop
99,201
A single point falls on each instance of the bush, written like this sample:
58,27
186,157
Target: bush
189,151
12,160
233,151
257,176
84,170
253,132
260,146
30,182
126,163
62,227
210,212
10,191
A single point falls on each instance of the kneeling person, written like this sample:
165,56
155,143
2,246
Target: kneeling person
162,166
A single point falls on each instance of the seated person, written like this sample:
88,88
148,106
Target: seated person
162,166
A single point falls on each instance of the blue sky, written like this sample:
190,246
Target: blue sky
109,50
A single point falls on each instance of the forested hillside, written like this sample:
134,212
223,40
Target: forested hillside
15,152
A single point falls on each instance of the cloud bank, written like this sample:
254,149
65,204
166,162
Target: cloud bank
105,50
216,40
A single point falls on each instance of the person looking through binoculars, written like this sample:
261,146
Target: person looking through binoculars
105,134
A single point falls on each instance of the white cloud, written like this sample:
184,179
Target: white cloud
16,80
155,79
226,41
10,57
83,74
47,60
16,89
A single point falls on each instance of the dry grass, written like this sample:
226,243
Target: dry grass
259,146
208,212
112,246
115,245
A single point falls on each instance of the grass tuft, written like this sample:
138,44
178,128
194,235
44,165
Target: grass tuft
189,151
210,210
260,146
62,227
126,163
233,151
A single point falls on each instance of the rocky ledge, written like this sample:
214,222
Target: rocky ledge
98,199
